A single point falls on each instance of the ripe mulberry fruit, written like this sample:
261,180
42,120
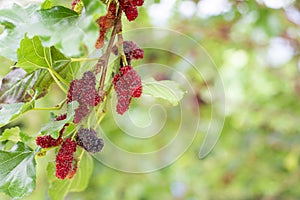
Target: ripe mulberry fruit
87,138
127,84
137,2
61,117
131,50
130,8
131,12
64,159
47,141
83,90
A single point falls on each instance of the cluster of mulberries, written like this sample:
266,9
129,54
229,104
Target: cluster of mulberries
131,50
64,159
83,90
130,8
127,84
105,23
66,165
87,139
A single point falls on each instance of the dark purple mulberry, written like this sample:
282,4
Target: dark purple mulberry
87,139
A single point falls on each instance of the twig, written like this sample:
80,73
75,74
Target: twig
105,58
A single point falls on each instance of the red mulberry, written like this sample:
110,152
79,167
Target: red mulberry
64,159
47,141
127,84
83,90
130,8
80,113
61,117
131,12
73,171
131,50
137,2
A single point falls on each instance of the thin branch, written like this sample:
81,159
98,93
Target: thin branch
103,61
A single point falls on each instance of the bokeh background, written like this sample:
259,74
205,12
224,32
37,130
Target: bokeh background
254,45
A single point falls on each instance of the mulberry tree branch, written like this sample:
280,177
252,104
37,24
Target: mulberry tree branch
104,59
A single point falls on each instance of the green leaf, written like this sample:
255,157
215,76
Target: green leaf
32,55
11,134
47,4
168,90
70,129
58,26
14,20
37,83
17,171
9,112
94,8
25,138
52,128
15,135
58,189
71,71
17,89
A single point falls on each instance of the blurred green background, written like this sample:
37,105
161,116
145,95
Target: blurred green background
255,46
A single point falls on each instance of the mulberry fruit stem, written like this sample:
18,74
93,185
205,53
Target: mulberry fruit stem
100,118
80,156
101,110
74,134
100,113
57,107
121,49
83,59
36,152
